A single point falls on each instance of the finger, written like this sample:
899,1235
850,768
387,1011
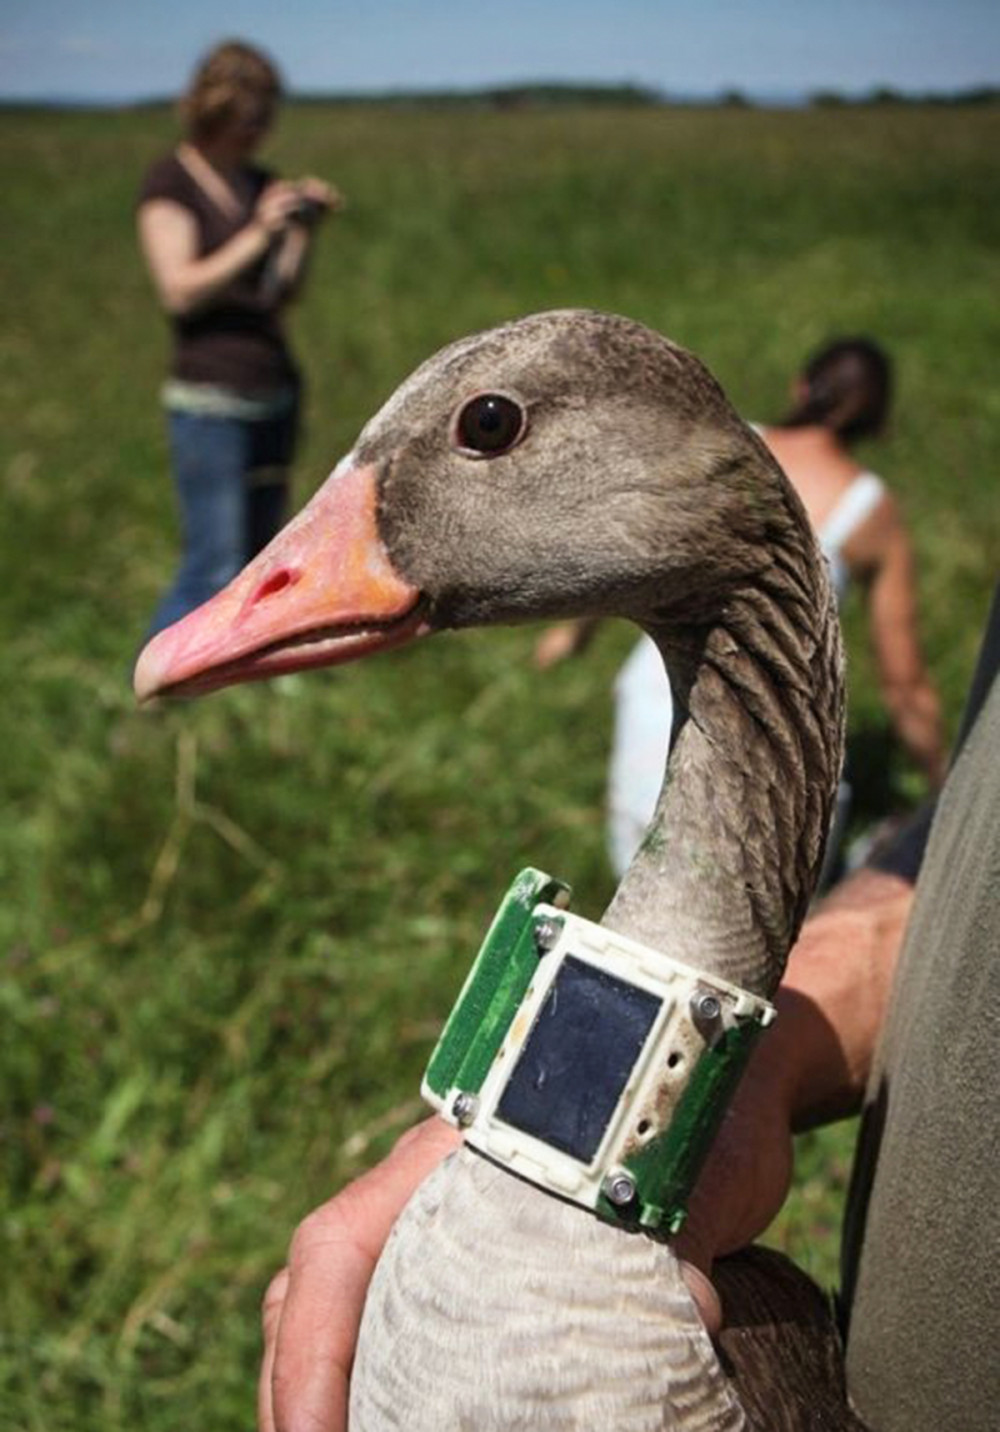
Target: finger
706,1298
316,1336
274,1300
386,1189
333,1256
326,194
695,1248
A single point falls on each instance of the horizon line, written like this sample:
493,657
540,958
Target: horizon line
726,94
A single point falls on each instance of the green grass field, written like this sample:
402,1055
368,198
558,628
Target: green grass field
229,931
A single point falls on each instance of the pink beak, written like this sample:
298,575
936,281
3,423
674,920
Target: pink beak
323,591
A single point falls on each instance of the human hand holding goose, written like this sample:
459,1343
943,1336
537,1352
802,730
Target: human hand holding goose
814,1065
312,1310
313,1307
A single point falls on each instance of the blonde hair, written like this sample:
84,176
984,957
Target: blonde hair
230,84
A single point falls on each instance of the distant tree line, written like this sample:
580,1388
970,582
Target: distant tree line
885,94
547,95
520,96
550,94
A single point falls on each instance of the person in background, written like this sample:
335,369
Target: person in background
842,396
226,243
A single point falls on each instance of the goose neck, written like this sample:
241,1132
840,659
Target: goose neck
724,874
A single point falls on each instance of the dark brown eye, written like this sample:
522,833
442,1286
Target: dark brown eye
490,424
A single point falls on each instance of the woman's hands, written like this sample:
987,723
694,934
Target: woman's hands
276,206
323,198
286,214
303,202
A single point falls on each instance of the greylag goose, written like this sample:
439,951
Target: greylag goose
571,463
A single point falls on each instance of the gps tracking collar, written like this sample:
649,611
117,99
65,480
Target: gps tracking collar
591,1065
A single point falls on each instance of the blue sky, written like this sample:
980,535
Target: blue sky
126,49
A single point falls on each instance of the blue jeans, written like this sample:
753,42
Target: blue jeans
232,486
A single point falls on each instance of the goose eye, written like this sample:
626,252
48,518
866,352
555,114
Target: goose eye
490,424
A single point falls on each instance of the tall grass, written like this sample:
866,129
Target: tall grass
229,931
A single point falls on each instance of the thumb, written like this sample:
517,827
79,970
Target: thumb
706,1299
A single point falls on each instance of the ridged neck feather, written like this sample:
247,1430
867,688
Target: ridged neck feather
726,870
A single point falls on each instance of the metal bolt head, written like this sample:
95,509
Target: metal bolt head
706,1007
547,932
464,1109
618,1188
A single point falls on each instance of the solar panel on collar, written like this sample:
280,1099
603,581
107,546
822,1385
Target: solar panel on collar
577,1058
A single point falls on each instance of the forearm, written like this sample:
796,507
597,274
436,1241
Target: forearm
833,998
907,690
291,262
195,284
916,715
811,1067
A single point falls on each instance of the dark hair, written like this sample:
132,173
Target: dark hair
231,83
847,388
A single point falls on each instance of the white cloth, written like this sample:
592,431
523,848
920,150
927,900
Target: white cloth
644,711
854,507
644,708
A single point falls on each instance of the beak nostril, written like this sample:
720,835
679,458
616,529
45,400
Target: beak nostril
276,582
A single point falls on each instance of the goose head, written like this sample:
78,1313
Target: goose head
569,463
574,463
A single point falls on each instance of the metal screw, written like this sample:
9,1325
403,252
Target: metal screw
547,932
706,1007
619,1188
464,1109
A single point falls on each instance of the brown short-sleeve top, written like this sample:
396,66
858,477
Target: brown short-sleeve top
237,342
